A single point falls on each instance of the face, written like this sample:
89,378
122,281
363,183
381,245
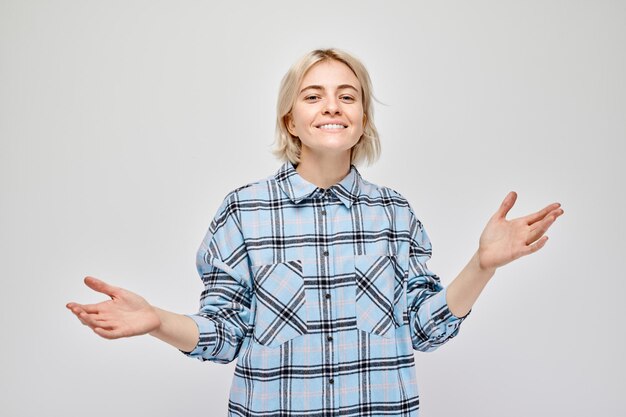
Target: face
328,113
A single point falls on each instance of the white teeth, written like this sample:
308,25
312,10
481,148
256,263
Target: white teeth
332,126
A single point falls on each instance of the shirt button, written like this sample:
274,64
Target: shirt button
330,381
204,348
325,253
329,338
323,212
327,295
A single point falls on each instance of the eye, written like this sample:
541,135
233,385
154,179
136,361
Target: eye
311,98
347,98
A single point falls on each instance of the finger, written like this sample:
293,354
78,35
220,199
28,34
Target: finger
89,308
76,309
543,226
77,312
535,217
536,246
506,205
85,321
92,320
101,286
92,308
107,333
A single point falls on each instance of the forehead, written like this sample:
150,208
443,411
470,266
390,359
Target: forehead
330,73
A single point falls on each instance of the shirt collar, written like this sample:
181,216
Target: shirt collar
297,188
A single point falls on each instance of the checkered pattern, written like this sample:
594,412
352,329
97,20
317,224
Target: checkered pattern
322,295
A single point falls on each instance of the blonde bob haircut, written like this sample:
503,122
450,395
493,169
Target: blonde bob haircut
287,146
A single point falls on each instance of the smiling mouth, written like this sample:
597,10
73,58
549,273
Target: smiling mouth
331,126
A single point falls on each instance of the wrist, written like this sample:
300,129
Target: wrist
484,270
160,319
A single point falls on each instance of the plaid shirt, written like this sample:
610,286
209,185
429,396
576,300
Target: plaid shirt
321,295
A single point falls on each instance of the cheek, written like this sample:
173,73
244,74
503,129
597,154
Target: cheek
357,116
360,131
299,118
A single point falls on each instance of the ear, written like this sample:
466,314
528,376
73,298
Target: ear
291,127
364,120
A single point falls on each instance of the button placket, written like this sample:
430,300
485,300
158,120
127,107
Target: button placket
324,198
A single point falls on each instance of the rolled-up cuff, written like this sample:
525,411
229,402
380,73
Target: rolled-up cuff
206,342
447,322
433,324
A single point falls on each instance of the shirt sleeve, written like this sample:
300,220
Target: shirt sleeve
225,303
431,321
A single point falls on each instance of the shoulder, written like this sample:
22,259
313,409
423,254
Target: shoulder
251,190
241,195
390,197
228,213
369,189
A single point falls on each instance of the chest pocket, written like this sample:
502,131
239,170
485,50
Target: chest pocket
280,303
380,294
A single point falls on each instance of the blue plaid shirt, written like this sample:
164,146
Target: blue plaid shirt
321,295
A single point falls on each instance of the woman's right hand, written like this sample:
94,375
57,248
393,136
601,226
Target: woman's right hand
126,314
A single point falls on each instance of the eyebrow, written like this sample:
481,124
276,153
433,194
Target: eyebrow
319,87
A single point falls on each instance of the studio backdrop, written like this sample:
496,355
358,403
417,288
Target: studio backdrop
123,124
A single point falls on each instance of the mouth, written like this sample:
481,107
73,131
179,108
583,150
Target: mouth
332,126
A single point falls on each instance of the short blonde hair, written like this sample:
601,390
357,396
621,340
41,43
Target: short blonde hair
287,146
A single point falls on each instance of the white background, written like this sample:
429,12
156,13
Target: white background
123,125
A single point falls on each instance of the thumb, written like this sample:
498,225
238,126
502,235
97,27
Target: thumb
100,286
506,205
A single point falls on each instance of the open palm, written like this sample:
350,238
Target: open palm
503,241
125,314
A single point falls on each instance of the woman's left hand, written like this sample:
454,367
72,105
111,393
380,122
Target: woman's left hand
503,241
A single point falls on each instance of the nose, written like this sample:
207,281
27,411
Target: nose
331,106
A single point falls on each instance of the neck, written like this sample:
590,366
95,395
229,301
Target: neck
323,171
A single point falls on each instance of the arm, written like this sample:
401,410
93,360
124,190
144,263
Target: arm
127,314
178,330
221,323
431,322
225,312
502,241
218,329
435,312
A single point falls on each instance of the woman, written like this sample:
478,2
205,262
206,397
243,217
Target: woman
315,279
